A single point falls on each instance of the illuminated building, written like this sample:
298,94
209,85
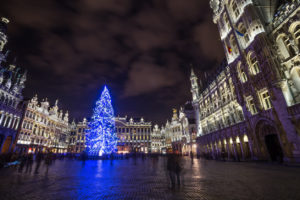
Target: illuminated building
11,85
43,128
250,109
180,133
133,135
77,136
157,140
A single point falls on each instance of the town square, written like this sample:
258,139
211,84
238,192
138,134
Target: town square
150,99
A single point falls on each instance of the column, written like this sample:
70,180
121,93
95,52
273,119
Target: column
10,121
228,149
17,124
242,149
2,116
234,149
212,151
5,120
13,123
251,148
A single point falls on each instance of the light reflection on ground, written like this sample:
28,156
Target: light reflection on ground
127,179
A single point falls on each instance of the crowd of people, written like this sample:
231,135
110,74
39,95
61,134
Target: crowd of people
24,161
31,162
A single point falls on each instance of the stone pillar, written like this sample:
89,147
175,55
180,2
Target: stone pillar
17,123
10,122
5,119
234,149
2,116
242,149
226,148
251,148
13,123
212,151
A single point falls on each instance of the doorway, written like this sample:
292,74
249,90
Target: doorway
274,148
6,145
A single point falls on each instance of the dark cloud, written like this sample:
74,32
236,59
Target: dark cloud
140,49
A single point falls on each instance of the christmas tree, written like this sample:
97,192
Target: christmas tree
101,137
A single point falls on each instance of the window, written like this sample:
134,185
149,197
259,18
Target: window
233,44
226,21
266,101
288,45
296,34
235,9
242,74
251,106
243,30
253,63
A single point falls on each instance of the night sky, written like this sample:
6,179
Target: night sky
141,49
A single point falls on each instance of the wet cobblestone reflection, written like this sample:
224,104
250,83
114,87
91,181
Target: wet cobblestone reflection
126,179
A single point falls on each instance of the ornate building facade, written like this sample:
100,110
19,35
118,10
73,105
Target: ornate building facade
251,109
44,128
134,135
181,132
157,140
12,82
77,136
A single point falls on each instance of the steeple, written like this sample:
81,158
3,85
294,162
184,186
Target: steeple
175,116
66,117
3,30
192,72
194,84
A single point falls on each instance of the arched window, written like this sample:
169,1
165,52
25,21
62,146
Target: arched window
296,34
282,46
241,73
243,30
253,63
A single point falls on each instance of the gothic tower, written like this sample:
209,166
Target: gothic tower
195,93
3,38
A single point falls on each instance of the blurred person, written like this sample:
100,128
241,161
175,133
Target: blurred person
22,159
171,169
177,168
29,163
192,157
38,160
48,161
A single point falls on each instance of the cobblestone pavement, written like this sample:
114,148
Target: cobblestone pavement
125,179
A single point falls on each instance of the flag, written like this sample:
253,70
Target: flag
239,33
229,49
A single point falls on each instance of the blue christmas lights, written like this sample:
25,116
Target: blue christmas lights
101,137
